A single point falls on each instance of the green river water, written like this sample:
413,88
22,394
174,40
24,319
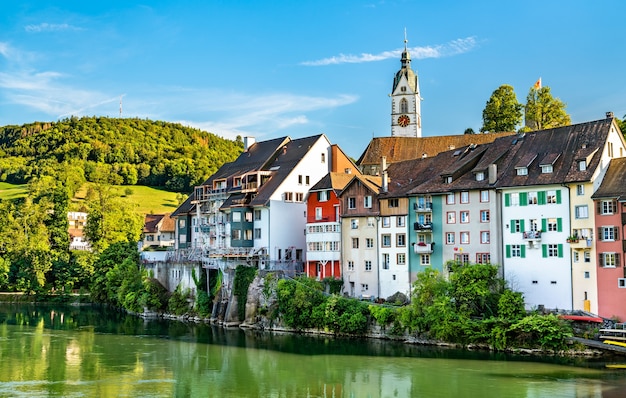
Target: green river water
61,351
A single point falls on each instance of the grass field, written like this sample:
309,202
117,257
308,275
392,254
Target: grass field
149,200
12,191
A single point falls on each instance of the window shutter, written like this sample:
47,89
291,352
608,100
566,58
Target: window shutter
521,225
600,233
508,251
512,226
507,199
558,196
319,196
599,207
523,251
601,259
544,251
523,199
541,197
616,233
544,224
560,247
617,263
559,224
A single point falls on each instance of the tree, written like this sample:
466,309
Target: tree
543,111
622,124
503,112
469,130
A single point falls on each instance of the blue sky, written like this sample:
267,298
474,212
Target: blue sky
270,69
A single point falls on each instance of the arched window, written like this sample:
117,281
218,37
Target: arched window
404,106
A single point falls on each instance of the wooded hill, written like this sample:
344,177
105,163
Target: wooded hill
115,151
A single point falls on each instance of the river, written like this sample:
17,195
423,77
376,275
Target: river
84,351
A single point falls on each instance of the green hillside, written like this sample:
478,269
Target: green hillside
115,151
148,200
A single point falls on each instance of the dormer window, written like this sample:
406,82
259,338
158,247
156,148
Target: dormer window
522,171
582,165
546,168
237,182
447,180
480,176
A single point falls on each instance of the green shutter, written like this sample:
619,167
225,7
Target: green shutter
507,199
559,224
544,251
319,196
560,246
523,251
512,226
508,251
544,224
558,196
523,199
541,197
521,225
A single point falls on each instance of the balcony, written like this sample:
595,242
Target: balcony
422,227
423,248
580,243
532,235
423,207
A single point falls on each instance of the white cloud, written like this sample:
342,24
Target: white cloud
50,27
455,47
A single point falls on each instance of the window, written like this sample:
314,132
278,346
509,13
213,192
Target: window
236,234
351,203
484,237
450,199
318,213
322,196
522,171
516,250
483,258
257,233
368,265
609,233
393,203
464,197
586,274
582,165
464,237
365,287
580,189
323,158
464,215
546,168
257,215
462,258
449,238
236,217
385,260
587,256
307,180
425,259
400,221
404,104
386,240
350,265
480,176
609,260
299,179
533,198
247,234
369,243
552,225
386,222
288,196
371,222
484,216
484,196
401,258
575,256
516,226
552,250
367,202
299,197
551,197
582,211
400,240
451,217
355,243
354,223
515,199
607,207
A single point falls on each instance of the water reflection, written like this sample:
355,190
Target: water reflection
91,351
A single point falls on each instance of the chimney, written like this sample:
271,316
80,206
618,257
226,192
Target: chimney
609,115
493,173
247,143
383,170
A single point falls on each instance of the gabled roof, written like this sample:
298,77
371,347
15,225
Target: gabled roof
560,147
404,176
334,181
286,159
613,185
152,221
372,183
397,149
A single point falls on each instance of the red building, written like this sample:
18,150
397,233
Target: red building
610,218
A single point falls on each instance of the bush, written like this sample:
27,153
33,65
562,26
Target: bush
178,303
546,331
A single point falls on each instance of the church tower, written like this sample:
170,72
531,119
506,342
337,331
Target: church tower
406,118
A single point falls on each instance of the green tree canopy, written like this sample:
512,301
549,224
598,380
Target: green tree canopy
543,111
503,112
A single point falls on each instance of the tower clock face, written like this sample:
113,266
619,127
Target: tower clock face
404,120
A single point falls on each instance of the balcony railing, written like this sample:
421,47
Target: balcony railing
424,207
532,235
422,227
423,248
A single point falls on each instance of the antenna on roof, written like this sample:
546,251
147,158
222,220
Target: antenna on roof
121,106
